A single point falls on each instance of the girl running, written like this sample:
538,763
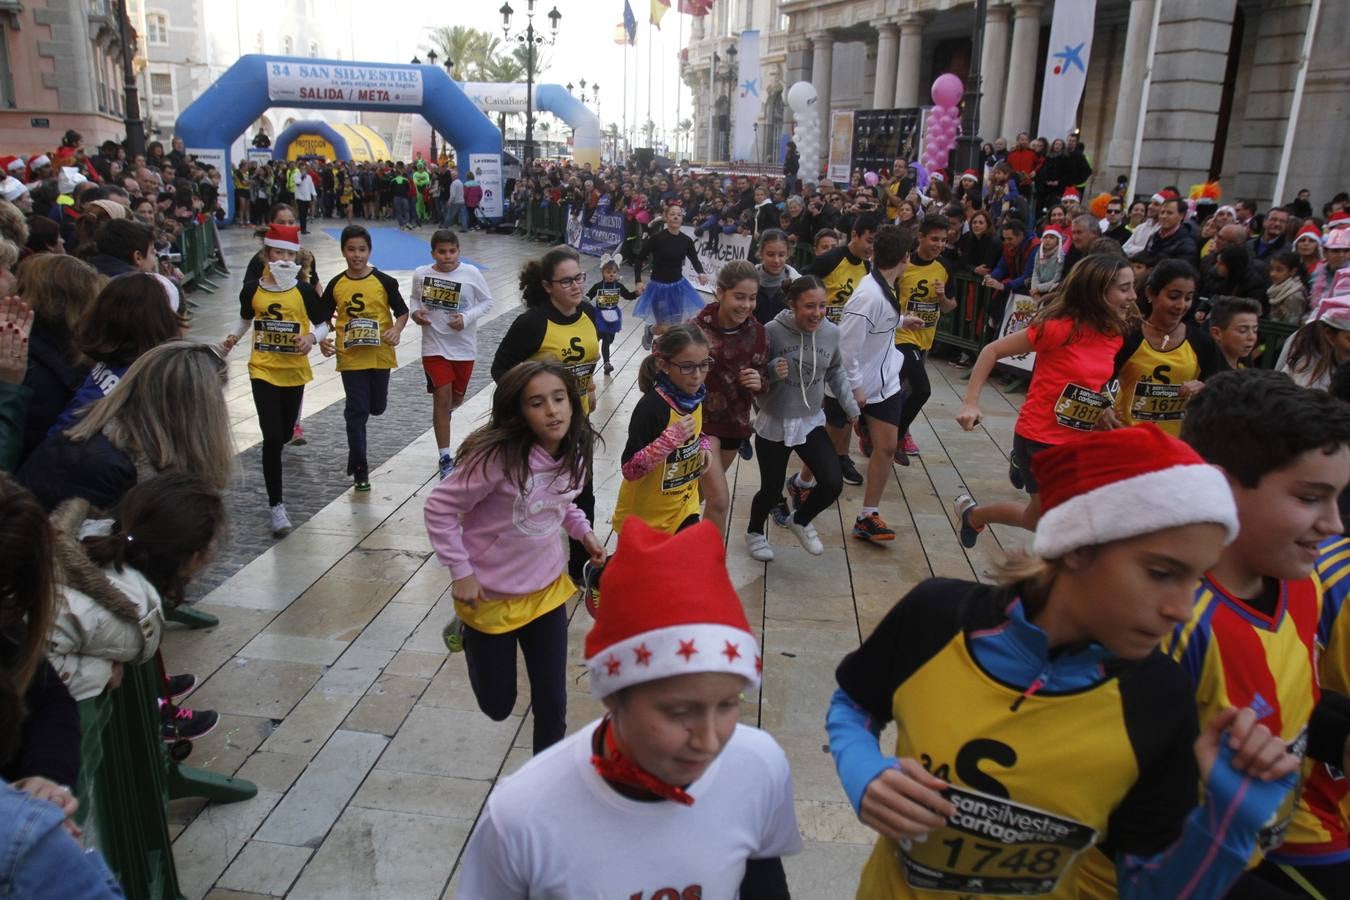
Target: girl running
1165,360
666,450
804,355
288,319
371,316
1075,338
774,275
558,324
494,523
668,298
666,795
1060,681
605,295
740,353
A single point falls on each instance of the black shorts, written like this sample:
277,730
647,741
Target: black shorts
1022,452
729,444
887,410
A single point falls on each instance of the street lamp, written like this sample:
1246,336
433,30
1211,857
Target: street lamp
729,78
432,56
530,40
134,124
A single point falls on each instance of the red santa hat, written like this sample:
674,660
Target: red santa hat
668,609
1309,230
283,237
1164,195
1337,239
969,173
1070,194
38,162
1107,487
1338,219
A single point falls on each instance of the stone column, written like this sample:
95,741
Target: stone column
1132,68
994,72
822,61
883,93
1022,68
911,56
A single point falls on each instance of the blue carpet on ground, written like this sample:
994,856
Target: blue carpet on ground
397,249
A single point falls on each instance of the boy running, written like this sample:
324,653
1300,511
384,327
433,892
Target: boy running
922,292
448,299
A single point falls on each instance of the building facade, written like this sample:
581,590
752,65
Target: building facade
1218,104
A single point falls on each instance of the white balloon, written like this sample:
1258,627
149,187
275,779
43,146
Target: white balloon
801,97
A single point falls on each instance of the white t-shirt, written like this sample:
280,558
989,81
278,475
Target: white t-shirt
442,295
556,831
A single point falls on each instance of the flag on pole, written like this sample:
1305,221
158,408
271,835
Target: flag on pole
748,100
695,7
629,22
659,9
1066,63
620,34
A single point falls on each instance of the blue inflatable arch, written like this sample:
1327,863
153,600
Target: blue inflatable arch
212,123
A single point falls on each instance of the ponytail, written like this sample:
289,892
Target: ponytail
669,343
536,271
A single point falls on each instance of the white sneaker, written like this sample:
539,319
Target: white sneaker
758,545
808,537
281,523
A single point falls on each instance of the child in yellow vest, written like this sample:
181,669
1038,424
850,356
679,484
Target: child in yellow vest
370,319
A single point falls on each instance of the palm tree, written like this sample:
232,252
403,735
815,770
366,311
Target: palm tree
503,70
612,135
469,48
682,130
649,129
521,55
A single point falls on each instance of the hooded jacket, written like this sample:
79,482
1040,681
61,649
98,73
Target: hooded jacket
813,361
867,340
726,411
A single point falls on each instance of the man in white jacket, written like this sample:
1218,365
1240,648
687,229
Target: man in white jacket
304,197
872,363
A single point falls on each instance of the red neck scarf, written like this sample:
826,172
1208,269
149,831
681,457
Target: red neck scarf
616,768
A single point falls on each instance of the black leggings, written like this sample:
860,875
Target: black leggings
278,408
606,340
577,555
918,388
491,659
818,453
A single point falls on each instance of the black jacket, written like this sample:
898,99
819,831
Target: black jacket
94,470
1180,244
53,379
49,738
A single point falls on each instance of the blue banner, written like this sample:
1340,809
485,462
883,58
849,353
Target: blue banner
603,235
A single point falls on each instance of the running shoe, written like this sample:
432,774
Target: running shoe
780,514
872,528
1015,476
609,370
758,545
298,437
453,634
446,465
362,477
969,533
746,451
849,471
182,724
864,439
281,523
590,587
806,535
180,686
797,494
909,446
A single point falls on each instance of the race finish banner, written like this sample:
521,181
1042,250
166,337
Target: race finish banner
1017,316
295,81
714,255
603,235
994,846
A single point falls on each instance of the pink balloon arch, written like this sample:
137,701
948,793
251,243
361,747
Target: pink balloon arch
944,121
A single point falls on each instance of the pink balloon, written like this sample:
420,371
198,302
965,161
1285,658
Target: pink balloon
947,90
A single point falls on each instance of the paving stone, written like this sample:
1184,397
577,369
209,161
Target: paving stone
257,687
207,846
428,795
273,771
385,706
264,868
450,742
316,800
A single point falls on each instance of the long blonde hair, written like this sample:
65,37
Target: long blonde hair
145,414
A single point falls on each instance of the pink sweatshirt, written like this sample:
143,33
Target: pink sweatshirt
481,525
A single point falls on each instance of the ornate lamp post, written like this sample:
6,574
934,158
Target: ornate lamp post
530,40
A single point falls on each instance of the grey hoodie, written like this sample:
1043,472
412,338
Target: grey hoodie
802,393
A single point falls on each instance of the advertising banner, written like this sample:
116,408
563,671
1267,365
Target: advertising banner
715,252
1017,316
747,97
603,235
487,168
841,146
290,82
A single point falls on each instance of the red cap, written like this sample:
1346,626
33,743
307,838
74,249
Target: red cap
283,237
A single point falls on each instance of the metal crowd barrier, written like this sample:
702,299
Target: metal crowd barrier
545,222
199,252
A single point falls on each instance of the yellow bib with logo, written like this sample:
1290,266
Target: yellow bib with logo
362,316
916,289
1033,789
840,285
279,321
667,495
577,347
1150,385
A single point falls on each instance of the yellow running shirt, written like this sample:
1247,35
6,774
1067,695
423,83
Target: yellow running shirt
667,495
577,347
916,291
841,273
280,319
1150,379
366,308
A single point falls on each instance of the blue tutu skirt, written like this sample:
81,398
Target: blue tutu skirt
669,302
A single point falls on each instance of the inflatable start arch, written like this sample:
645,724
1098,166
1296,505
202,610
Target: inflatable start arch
493,97
212,123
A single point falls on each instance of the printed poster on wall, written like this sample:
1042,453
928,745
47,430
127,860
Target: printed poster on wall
1016,317
713,253
326,82
841,146
487,168
603,235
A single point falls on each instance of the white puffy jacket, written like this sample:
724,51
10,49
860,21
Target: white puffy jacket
867,340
